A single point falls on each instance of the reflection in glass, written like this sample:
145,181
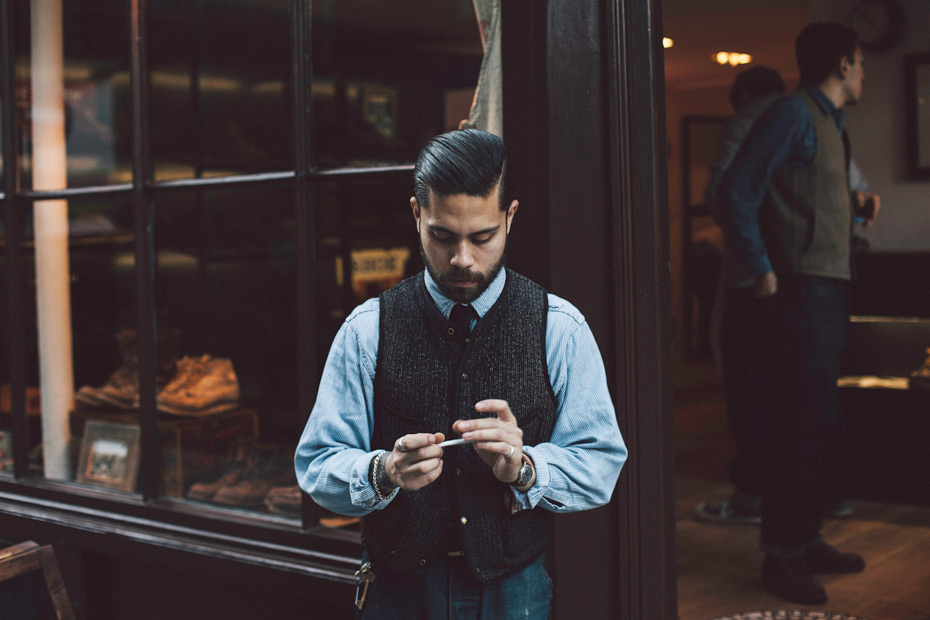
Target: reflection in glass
367,243
219,100
383,78
95,92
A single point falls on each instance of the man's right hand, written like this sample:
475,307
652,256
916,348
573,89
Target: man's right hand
766,286
415,461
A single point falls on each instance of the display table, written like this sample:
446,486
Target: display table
887,423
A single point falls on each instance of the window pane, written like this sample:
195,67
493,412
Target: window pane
384,73
219,87
90,291
226,296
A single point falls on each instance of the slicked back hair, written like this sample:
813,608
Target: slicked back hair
464,161
820,47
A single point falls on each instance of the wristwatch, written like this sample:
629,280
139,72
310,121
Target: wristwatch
525,474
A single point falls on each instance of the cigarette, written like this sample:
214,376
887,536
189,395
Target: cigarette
452,442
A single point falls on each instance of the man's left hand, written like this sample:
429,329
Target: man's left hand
498,440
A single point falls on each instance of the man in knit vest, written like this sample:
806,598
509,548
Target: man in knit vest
790,216
465,350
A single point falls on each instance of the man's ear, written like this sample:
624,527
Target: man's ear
511,211
844,66
414,205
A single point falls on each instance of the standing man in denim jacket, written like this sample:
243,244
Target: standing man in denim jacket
790,217
471,350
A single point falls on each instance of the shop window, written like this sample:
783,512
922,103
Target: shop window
224,203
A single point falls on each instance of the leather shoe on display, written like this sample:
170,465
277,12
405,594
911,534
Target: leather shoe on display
233,469
791,579
202,386
269,465
284,500
122,389
825,559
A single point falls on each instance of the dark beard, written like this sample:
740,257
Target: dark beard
456,294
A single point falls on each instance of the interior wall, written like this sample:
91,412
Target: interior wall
877,131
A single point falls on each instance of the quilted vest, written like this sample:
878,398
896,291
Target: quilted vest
806,216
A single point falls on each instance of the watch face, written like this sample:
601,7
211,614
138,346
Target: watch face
526,474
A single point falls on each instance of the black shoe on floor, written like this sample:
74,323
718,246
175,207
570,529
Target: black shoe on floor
824,558
790,579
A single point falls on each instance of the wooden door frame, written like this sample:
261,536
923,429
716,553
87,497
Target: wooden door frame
584,120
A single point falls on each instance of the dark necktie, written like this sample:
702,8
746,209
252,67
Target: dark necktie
462,316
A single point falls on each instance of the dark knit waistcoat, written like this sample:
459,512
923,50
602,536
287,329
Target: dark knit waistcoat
427,377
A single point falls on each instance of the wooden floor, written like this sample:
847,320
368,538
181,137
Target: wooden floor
719,565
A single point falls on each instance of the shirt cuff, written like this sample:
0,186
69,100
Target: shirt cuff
531,497
361,491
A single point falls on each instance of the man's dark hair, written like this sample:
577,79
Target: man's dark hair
820,47
464,161
755,83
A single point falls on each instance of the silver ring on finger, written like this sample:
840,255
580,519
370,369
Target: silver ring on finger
400,445
512,450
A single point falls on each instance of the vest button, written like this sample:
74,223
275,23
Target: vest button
458,472
463,520
464,376
422,562
451,331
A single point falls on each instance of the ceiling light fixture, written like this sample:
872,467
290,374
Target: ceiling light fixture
667,43
732,58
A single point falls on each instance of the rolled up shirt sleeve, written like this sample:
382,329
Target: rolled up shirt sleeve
577,469
334,452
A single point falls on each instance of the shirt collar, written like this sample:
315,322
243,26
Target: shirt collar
482,304
828,107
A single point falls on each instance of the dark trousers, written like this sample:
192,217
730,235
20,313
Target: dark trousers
747,359
810,324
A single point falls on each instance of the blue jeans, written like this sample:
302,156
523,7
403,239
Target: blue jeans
447,591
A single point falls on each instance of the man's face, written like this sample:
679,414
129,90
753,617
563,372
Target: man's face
462,239
854,76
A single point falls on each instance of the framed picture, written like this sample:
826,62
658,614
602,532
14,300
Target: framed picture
917,98
109,455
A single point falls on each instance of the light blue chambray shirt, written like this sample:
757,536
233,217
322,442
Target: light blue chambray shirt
576,470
